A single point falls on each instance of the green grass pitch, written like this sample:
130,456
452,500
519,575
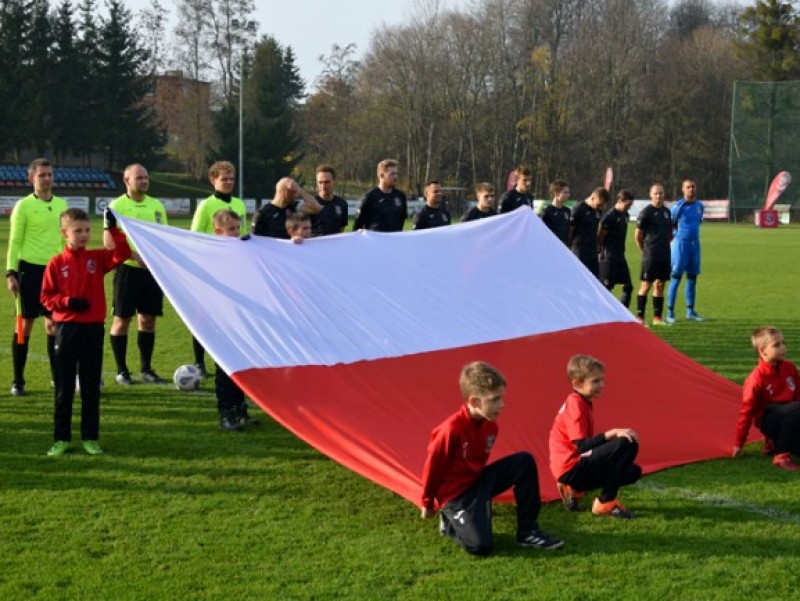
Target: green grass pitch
177,509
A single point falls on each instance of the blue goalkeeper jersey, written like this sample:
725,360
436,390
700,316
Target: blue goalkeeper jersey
686,219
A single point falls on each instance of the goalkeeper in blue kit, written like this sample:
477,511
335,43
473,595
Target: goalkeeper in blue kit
687,215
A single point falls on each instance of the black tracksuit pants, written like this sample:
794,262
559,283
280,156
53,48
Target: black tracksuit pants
78,350
468,518
609,466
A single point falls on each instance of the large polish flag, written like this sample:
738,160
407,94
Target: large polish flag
355,342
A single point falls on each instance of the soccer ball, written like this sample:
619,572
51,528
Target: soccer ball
187,377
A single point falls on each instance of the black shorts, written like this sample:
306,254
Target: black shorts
614,270
655,269
30,290
136,291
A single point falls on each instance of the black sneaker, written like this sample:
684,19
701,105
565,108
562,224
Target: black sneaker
124,378
201,368
538,539
151,377
245,418
17,389
229,421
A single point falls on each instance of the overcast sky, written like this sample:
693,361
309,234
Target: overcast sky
311,27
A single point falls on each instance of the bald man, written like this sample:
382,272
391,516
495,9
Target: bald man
135,290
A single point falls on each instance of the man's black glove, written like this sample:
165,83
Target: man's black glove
110,220
78,305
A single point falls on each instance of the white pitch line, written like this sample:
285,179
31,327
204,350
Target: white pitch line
721,501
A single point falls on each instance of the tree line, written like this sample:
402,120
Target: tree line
74,77
568,87
71,82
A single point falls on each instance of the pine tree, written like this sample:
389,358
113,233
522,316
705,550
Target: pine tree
273,90
770,40
68,128
15,30
128,127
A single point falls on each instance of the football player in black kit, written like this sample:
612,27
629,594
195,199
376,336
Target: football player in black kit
433,214
270,220
556,216
583,229
652,236
384,208
484,192
521,194
611,241
332,218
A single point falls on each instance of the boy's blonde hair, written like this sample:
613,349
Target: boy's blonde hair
762,335
479,379
73,214
221,167
223,217
580,367
484,187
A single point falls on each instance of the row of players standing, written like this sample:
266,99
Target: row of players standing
35,237
598,239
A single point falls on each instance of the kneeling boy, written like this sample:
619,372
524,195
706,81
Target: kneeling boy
771,399
581,461
457,478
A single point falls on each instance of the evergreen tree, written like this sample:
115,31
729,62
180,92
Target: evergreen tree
37,89
128,129
770,41
68,128
15,30
87,95
273,90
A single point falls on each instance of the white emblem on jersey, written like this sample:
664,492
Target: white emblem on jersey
338,210
490,443
790,383
91,266
464,449
65,271
397,201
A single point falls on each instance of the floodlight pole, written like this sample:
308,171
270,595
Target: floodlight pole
241,124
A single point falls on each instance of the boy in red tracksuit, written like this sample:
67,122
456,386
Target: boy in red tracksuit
73,290
771,399
457,479
581,460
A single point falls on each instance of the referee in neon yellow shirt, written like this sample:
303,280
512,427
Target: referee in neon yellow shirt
222,176
34,238
135,289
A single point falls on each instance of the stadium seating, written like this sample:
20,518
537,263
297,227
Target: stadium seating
16,176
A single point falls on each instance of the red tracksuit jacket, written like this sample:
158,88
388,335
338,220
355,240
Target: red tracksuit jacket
79,274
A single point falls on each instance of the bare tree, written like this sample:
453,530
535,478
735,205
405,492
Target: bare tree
152,29
232,31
